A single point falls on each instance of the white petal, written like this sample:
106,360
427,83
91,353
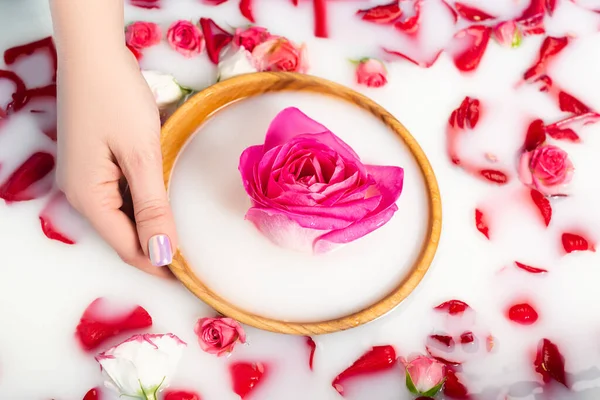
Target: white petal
164,87
235,61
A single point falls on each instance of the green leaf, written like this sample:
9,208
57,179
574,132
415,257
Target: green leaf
434,390
410,385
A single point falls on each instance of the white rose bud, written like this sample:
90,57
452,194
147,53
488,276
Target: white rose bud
235,61
164,87
141,366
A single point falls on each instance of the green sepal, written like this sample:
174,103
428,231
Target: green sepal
434,390
410,385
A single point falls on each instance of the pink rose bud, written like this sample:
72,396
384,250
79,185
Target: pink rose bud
185,38
219,335
140,35
547,168
371,72
251,37
425,376
310,191
279,54
507,33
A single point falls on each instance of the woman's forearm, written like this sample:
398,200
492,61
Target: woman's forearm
85,29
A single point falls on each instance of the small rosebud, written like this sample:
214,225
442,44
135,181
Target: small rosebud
165,89
507,33
425,376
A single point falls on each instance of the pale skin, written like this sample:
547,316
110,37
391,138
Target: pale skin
109,129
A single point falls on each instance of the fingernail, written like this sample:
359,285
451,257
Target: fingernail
159,249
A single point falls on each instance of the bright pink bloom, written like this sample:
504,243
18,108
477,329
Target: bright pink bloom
279,54
251,37
371,72
309,189
186,38
425,376
219,335
547,168
140,35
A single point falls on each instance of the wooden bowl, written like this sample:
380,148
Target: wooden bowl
187,119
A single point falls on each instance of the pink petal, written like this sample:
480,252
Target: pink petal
249,158
388,181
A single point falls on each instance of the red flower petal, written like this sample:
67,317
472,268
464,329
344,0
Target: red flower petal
532,19
563,134
523,314
246,376
467,114
543,204
411,24
572,242
136,53
550,48
312,347
94,328
147,4
382,14
570,104
443,339
481,223
550,6
530,269
320,13
216,38
246,10
426,64
475,39
213,2
11,55
495,176
467,337
181,395
471,13
453,388
379,358
550,363
536,135
93,394
18,98
19,185
453,307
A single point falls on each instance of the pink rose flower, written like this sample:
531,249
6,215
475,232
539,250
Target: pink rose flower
547,168
140,35
371,72
309,189
186,38
219,335
251,37
279,54
507,33
425,376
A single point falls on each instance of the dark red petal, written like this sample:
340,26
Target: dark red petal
245,377
93,328
570,104
550,48
147,4
33,170
382,14
379,358
475,38
216,38
550,363
312,347
453,307
136,53
530,269
93,394
246,10
563,134
17,98
536,135
481,223
495,176
11,55
411,24
532,18
320,15
443,339
523,314
453,388
471,13
550,6
213,2
543,205
572,242
467,337
181,395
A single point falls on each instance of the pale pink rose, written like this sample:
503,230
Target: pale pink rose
140,35
425,376
309,189
279,54
186,38
251,37
219,335
547,169
507,33
371,72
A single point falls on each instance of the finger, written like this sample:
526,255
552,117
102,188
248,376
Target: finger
102,210
155,225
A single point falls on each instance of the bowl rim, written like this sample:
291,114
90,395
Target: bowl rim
186,120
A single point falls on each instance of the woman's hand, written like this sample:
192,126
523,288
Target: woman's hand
109,130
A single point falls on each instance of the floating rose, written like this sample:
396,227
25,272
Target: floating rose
309,189
371,72
219,335
164,87
508,34
140,35
185,38
547,168
141,366
235,61
279,54
425,376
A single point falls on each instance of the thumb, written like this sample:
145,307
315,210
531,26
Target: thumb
153,217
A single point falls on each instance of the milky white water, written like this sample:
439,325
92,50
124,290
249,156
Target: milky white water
45,285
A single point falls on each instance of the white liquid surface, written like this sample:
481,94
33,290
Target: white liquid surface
45,285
